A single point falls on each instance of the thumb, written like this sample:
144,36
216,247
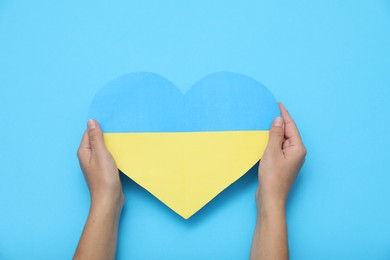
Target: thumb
276,135
95,135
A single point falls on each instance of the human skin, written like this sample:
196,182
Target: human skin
99,237
278,169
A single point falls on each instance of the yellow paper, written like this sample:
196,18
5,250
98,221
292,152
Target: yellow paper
185,170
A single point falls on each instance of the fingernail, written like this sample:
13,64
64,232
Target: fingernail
278,121
91,124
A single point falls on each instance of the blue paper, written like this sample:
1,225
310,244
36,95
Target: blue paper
147,102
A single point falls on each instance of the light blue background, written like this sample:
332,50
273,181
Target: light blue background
328,61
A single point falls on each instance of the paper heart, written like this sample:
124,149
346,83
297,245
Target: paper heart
185,149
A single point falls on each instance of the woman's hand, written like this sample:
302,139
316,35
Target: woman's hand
281,162
100,234
279,166
100,170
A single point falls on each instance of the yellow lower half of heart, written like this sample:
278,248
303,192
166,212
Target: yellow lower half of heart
185,170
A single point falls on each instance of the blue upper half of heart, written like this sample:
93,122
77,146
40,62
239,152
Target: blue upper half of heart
147,102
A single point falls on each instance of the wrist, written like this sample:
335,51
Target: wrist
271,207
108,203
101,209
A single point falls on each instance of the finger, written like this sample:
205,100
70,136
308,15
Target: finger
276,135
85,141
95,135
84,148
291,130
